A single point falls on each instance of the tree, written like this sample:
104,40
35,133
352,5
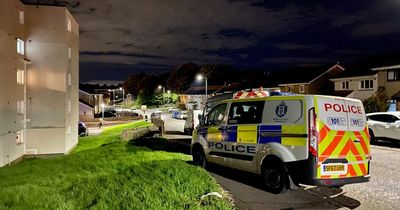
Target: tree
377,102
182,77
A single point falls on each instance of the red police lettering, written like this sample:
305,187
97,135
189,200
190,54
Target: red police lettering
342,108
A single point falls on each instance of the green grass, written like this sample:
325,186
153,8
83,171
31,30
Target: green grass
105,173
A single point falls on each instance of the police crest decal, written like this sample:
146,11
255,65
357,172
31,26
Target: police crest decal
281,109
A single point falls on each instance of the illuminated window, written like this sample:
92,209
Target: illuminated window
20,46
69,53
21,17
69,25
20,76
20,107
69,79
69,106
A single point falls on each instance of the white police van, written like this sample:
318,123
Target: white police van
309,139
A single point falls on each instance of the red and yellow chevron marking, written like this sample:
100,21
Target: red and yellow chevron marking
340,145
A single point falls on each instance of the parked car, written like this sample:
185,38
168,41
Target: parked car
82,130
384,125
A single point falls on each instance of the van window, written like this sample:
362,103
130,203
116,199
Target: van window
284,112
216,115
246,112
378,117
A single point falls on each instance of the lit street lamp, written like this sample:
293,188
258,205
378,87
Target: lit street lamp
123,95
163,92
113,95
200,78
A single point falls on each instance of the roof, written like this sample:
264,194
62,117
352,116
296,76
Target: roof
386,67
303,74
342,93
355,72
86,104
201,90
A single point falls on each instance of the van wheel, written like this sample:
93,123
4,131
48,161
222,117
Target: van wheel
275,178
372,137
199,159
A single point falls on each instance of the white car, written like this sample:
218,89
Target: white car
384,125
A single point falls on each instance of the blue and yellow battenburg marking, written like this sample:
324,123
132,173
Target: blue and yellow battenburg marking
253,134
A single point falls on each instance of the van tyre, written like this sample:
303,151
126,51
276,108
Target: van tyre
275,178
199,159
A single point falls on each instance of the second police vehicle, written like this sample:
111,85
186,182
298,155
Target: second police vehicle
287,139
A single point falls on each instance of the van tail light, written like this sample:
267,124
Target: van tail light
312,132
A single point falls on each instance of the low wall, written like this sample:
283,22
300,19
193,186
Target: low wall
135,133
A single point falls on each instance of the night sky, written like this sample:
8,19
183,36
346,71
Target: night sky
121,37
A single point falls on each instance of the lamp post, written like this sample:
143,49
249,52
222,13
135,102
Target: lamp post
200,78
113,90
123,95
163,92
102,110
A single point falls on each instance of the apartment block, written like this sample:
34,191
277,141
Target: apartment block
39,65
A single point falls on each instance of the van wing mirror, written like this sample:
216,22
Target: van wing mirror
201,119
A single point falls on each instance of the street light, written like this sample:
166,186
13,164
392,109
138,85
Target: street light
102,110
200,78
163,91
123,95
113,90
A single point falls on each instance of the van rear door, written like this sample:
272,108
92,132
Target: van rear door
343,142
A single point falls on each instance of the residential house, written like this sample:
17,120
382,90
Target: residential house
389,77
356,83
39,65
308,79
93,100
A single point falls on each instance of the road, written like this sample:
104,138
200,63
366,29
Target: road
382,192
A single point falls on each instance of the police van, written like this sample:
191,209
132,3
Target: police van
287,139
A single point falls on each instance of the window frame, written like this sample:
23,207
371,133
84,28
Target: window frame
345,85
396,75
20,46
208,122
259,106
367,82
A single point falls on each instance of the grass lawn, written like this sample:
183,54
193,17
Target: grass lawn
105,173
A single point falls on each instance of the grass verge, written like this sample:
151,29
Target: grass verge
104,173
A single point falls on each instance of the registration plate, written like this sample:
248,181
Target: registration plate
333,168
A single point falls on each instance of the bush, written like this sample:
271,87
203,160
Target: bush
377,103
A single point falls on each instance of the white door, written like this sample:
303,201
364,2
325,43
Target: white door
377,123
393,127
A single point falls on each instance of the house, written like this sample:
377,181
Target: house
308,79
93,100
195,97
356,83
389,77
39,65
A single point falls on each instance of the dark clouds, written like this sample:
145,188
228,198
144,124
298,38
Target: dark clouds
119,36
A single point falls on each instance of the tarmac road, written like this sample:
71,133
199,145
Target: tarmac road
381,192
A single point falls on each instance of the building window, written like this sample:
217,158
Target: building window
69,53
20,107
20,76
20,46
301,89
21,17
345,85
69,25
69,106
366,84
393,75
69,79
